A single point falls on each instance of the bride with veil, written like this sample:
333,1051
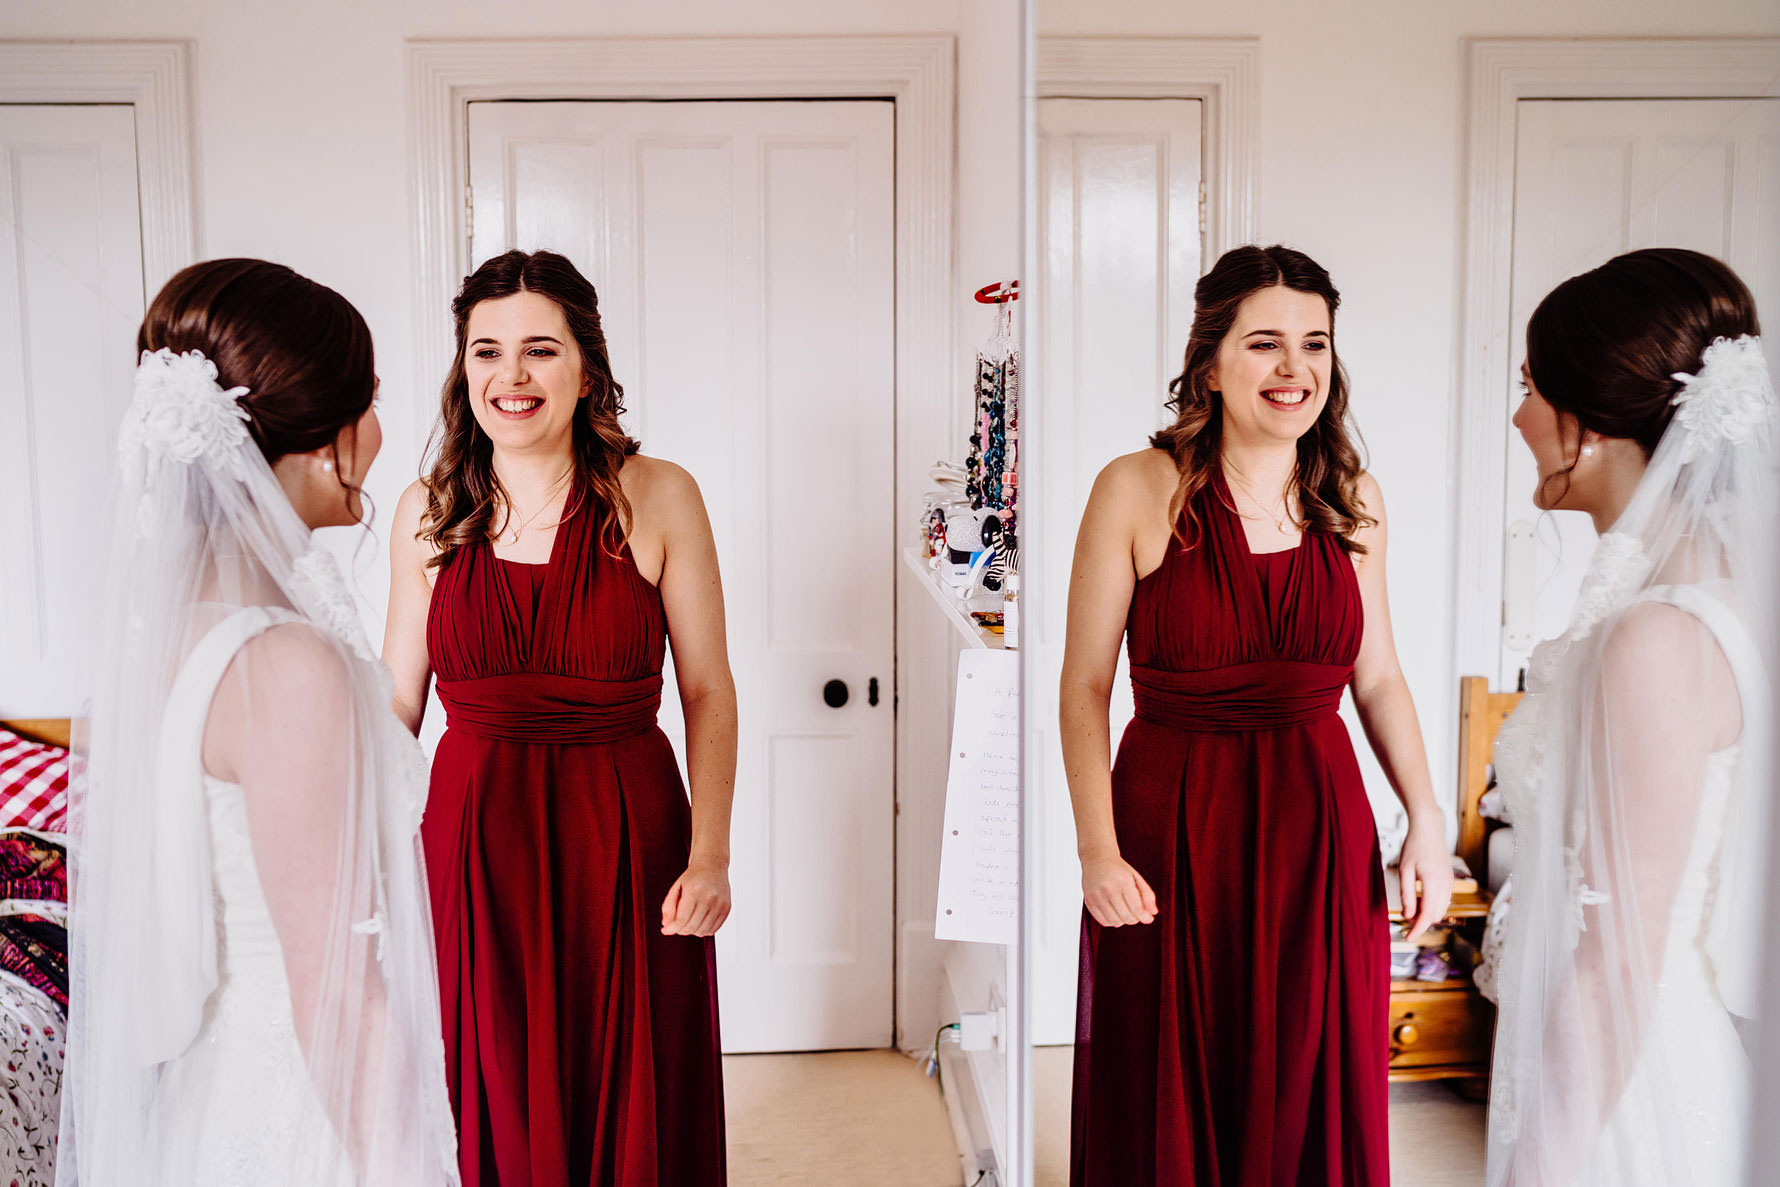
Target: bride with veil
253,995
1638,768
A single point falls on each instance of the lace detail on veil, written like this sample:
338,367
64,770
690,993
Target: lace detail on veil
318,585
1614,577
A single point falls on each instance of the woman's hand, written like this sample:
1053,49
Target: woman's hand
1115,893
698,902
1425,858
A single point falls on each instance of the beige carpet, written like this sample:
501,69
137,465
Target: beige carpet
836,1117
871,1118
1436,1138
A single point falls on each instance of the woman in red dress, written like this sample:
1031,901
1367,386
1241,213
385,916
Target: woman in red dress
539,572
1233,992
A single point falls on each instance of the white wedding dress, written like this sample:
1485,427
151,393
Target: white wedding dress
1698,1056
189,1061
1692,1054
238,1103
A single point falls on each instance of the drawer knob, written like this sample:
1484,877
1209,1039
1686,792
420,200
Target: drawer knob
1407,1035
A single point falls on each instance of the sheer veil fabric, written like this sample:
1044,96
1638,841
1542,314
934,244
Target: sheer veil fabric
1629,973
253,989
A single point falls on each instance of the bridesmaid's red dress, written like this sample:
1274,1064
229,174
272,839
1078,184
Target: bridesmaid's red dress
1239,1039
581,1043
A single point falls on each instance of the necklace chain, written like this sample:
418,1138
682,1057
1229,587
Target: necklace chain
1279,522
511,535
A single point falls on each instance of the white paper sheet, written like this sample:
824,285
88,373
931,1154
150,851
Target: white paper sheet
979,862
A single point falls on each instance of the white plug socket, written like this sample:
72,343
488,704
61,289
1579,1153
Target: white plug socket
978,1029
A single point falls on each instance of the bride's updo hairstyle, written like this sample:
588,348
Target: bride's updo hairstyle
1604,347
299,348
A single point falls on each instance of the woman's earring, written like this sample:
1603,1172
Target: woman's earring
1588,451
327,467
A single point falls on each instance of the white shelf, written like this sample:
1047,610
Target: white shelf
950,604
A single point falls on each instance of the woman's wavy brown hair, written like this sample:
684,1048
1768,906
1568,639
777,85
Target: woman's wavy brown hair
1328,467
463,493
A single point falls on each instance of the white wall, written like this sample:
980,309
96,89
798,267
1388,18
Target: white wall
302,153
990,203
1362,166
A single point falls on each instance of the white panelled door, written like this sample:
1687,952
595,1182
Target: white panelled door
71,300
1120,251
744,257
1593,179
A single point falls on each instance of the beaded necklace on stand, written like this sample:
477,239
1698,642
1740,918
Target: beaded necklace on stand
991,476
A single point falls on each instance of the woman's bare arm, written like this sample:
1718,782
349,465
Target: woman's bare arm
1387,714
410,595
666,500
1100,588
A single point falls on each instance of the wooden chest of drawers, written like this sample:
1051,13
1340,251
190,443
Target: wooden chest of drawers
1439,1031
1443,1030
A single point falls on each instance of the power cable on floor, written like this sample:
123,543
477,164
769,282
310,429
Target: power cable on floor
930,1059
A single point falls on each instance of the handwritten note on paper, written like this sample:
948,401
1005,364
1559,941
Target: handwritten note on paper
979,857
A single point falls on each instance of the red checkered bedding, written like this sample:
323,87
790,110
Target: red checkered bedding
33,784
33,957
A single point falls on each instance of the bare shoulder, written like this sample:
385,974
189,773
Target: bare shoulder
658,488
303,665
1369,495
1135,481
1369,503
1663,663
1653,637
408,550
287,678
409,508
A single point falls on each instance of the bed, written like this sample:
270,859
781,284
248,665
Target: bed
35,768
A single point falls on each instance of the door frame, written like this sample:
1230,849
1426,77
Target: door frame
916,73
1500,74
153,77
1222,73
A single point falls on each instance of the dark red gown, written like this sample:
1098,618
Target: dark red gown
580,1043
1239,1040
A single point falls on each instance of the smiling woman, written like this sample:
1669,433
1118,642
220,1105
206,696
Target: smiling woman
1235,384
1241,561
531,382
540,571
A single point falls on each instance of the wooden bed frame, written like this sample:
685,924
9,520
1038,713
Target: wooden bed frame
53,731
1481,714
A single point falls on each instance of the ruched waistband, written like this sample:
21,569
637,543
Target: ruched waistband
1264,694
527,707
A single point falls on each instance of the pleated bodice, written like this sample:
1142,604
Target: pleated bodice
491,617
1206,605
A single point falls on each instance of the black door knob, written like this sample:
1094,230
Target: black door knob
834,693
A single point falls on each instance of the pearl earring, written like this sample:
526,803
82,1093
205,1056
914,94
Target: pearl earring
1588,451
327,467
